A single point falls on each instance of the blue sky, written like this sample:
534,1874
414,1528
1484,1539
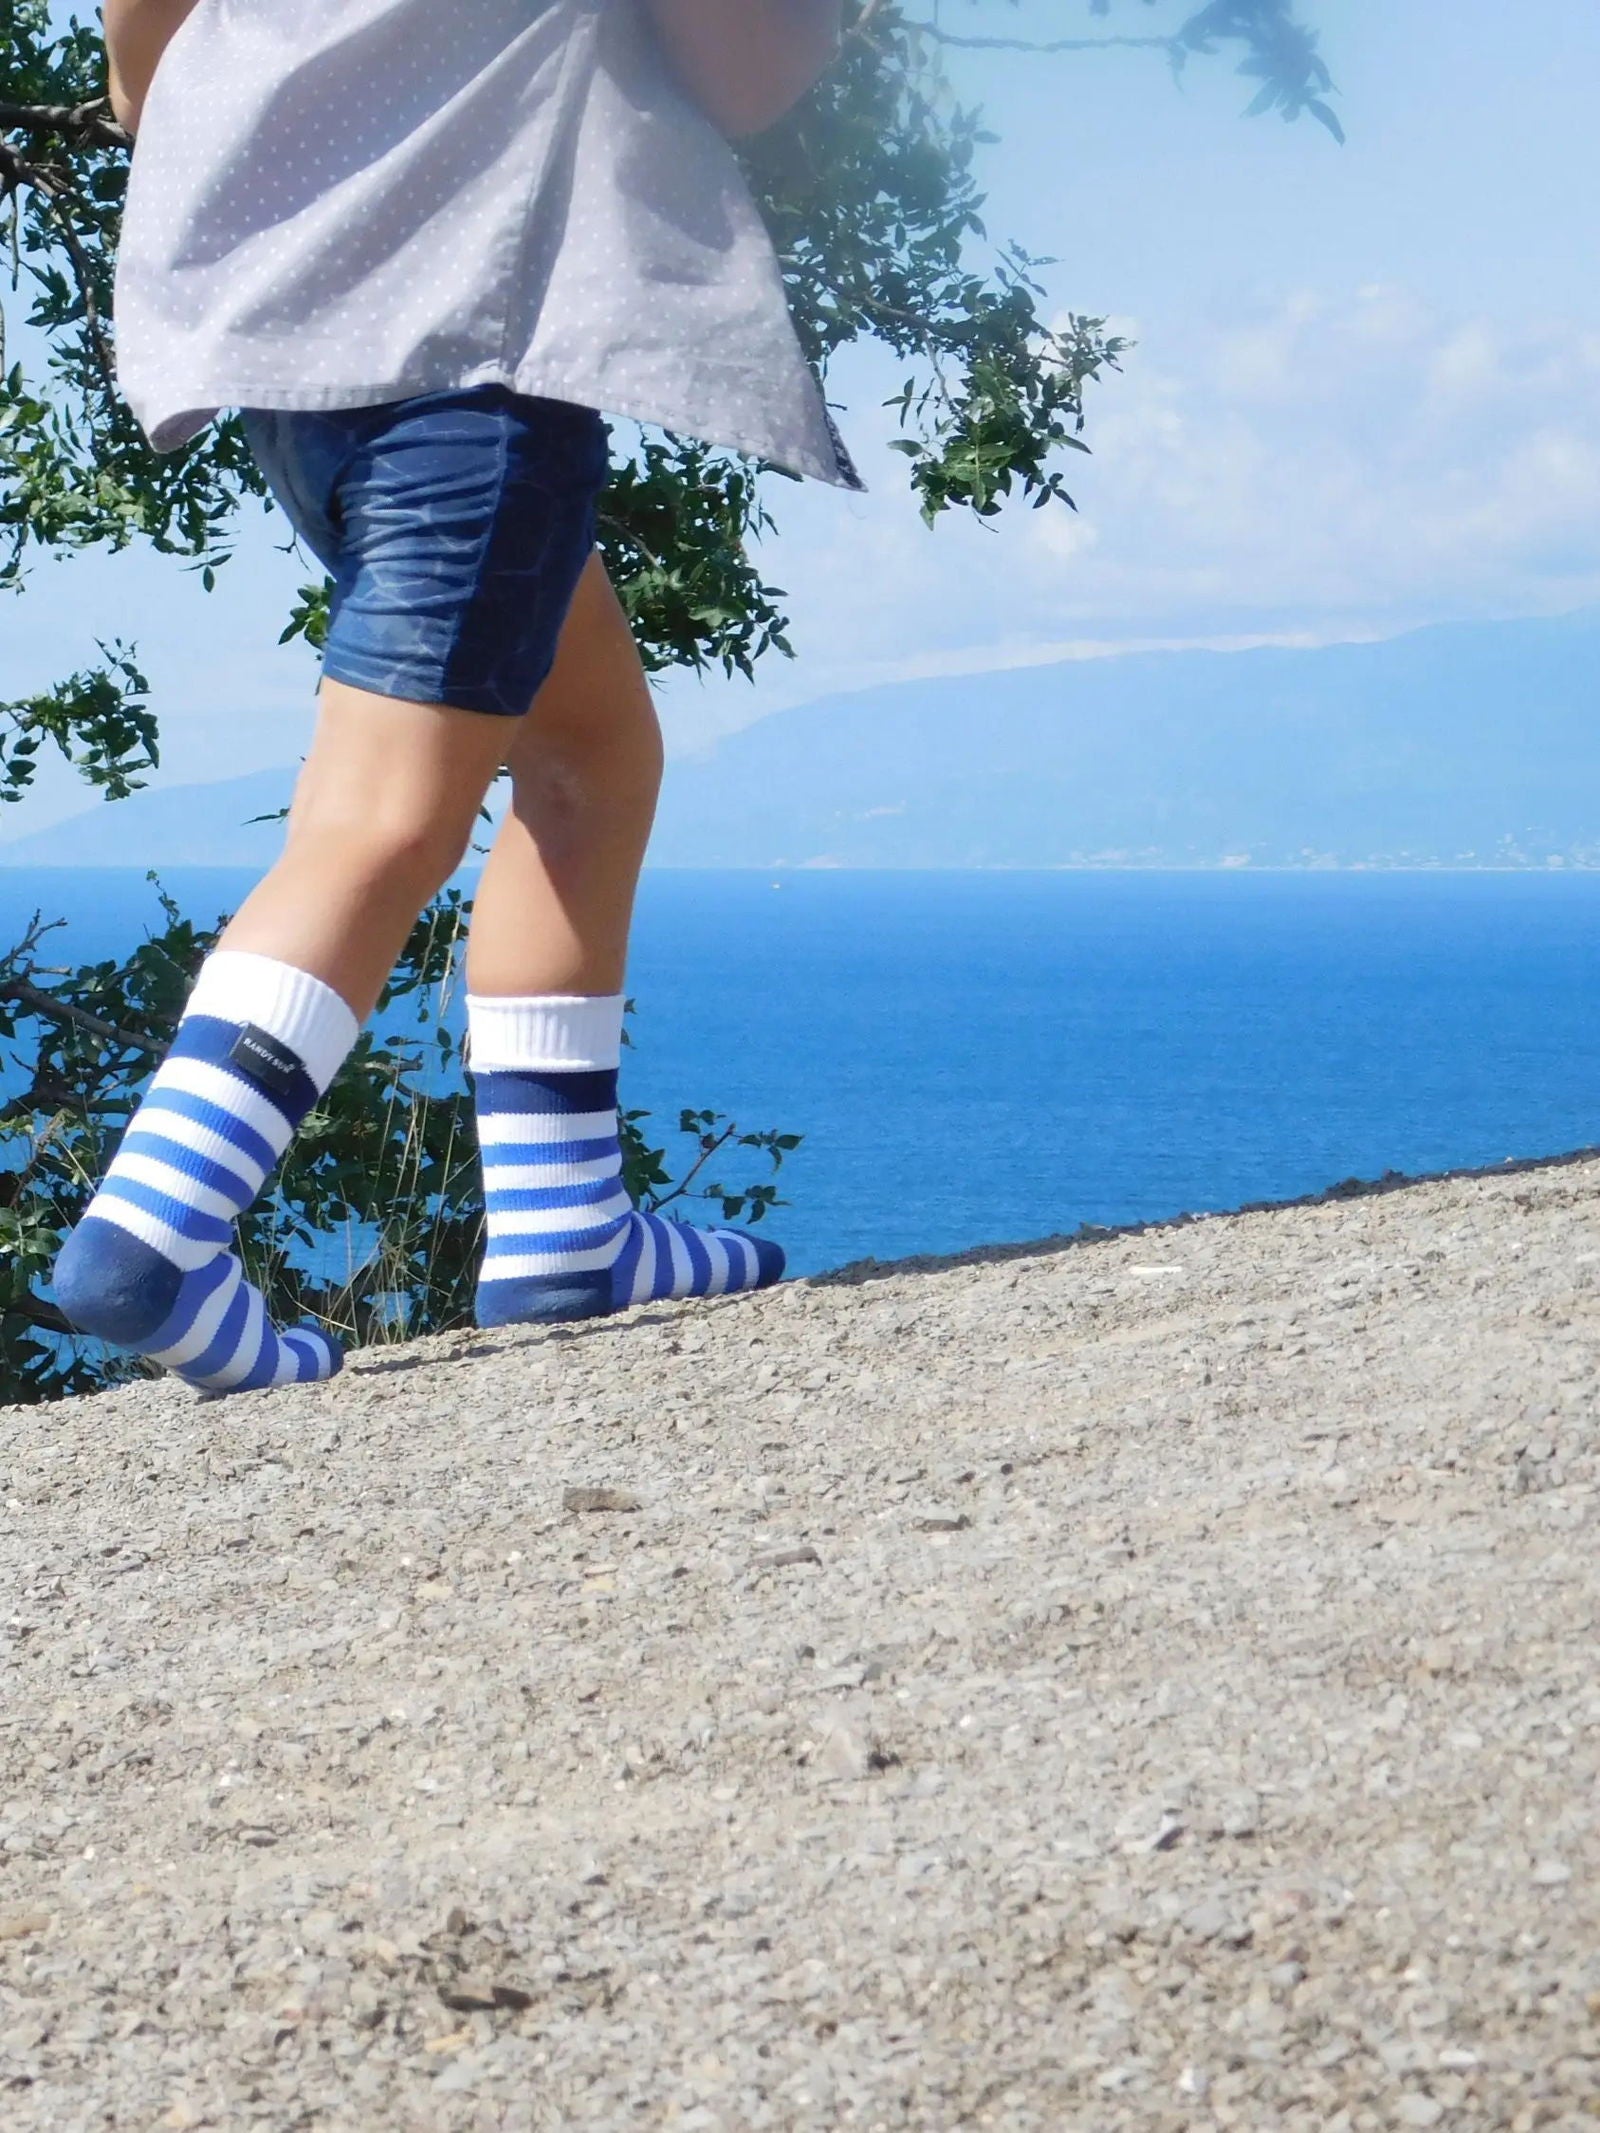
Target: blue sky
1365,395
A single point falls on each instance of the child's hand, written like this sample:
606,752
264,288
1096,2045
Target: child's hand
747,62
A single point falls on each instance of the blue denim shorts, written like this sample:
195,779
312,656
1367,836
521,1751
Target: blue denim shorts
455,527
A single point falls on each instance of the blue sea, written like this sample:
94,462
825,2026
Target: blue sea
977,1058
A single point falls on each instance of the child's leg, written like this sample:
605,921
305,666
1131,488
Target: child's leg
545,972
381,816
383,813
555,904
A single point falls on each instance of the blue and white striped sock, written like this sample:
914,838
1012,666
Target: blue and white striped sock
151,1266
564,1240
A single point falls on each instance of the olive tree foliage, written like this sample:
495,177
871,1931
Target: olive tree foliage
873,194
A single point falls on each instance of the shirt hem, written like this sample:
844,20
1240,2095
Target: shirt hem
199,405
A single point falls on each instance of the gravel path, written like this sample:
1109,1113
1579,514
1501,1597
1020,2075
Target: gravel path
1147,1682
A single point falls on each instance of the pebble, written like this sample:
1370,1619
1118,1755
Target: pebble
784,1558
600,1499
21,1925
1158,1833
843,1753
465,1993
1418,2110
1240,1816
843,1677
1215,1920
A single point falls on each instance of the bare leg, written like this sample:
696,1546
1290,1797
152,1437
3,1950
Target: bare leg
382,814
545,964
554,907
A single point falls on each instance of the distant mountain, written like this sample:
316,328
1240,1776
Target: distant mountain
181,826
1466,744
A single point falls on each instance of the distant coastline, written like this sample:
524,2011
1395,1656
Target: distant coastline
1467,747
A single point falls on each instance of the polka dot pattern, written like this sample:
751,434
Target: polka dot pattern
335,203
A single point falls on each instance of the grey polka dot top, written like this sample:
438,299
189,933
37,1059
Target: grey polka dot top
338,202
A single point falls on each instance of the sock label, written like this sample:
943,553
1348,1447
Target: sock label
271,1065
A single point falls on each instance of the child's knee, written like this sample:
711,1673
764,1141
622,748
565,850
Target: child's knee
382,840
570,744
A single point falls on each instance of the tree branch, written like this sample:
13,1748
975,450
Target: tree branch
711,1144
863,22
89,122
38,927
23,993
15,170
38,1314
44,1095
1058,44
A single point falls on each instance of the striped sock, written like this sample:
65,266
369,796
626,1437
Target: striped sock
151,1266
564,1239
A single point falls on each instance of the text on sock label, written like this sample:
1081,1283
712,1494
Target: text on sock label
268,1063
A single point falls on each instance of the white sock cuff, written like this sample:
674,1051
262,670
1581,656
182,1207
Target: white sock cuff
290,1005
558,1033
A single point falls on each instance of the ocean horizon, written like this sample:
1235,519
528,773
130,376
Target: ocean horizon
1001,1055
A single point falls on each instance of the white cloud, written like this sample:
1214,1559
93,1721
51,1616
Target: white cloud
1358,461
1325,468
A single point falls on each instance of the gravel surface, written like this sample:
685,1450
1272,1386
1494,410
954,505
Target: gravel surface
1143,1682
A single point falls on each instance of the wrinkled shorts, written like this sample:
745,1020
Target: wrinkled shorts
455,527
